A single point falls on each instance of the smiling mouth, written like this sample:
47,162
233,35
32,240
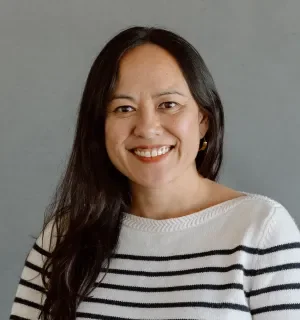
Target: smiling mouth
151,153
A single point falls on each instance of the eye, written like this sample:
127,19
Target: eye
123,109
168,105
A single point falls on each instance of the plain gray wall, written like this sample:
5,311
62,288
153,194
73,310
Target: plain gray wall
251,47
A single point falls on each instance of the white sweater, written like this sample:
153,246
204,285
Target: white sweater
236,260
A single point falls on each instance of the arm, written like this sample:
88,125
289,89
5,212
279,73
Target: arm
275,293
30,293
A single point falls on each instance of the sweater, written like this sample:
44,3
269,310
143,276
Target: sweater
237,260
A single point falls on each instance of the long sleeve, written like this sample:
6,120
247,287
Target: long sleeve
275,293
30,293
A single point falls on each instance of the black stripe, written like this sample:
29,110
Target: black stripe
281,267
247,272
28,303
288,246
175,288
281,247
40,250
222,305
13,317
36,268
103,317
174,273
32,286
33,267
229,286
290,286
279,307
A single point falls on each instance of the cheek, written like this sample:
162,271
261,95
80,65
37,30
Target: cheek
110,139
115,134
187,128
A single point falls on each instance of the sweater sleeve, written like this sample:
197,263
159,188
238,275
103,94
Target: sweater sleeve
275,293
30,293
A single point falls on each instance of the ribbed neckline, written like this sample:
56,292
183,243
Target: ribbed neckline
184,222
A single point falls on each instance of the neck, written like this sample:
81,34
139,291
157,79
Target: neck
177,198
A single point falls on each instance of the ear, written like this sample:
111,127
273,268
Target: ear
203,124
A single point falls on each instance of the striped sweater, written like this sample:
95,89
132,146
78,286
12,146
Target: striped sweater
236,260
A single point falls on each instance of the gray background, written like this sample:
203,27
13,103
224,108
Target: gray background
46,49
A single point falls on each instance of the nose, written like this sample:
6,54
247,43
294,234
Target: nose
147,123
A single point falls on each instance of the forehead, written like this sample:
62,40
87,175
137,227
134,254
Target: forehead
149,66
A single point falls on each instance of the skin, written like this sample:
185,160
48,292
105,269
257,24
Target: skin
142,113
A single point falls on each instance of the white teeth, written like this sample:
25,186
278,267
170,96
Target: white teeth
151,152
154,153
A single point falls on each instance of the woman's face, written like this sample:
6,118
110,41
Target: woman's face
153,126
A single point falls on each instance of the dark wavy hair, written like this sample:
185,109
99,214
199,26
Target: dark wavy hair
87,207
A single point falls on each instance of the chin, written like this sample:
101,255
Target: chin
152,182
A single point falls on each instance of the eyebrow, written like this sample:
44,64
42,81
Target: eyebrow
163,93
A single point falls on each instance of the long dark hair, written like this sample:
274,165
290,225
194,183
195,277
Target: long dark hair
86,209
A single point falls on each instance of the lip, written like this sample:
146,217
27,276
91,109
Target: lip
154,146
153,159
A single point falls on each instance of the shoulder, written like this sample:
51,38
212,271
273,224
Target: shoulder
261,207
257,206
46,240
265,219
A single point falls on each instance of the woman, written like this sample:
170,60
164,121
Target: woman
139,228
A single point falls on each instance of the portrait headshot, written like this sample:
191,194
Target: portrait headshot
149,164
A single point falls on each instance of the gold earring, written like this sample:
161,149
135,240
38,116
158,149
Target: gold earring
204,145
